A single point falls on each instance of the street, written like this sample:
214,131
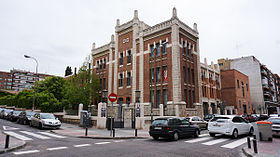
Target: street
44,143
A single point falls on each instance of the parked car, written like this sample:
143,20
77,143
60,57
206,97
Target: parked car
262,117
198,121
45,120
172,128
275,125
250,118
25,117
232,125
13,116
209,117
273,115
4,113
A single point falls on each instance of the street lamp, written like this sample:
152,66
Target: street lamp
26,56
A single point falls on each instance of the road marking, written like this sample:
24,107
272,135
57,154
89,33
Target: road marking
35,135
102,143
202,135
199,139
57,148
215,141
52,135
26,152
82,145
236,143
9,128
117,141
18,136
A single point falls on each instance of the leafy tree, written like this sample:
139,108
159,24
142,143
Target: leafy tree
68,71
24,99
48,103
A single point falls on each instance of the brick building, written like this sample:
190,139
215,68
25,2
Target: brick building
5,80
161,61
236,91
210,88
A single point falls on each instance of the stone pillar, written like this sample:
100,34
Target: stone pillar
177,110
80,109
161,110
210,110
199,109
225,111
142,110
218,110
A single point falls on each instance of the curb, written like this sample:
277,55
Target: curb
103,137
13,148
248,154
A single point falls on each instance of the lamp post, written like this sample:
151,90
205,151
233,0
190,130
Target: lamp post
26,56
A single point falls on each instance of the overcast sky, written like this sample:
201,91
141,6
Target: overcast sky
59,33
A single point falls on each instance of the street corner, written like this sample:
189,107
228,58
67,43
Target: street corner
13,144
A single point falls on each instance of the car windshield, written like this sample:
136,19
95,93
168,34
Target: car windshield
219,119
160,122
16,112
28,114
8,111
274,120
47,116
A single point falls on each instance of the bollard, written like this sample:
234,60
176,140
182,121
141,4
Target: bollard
7,141
113,132
86,131
255,146
255,137
260,136
135,132
249,142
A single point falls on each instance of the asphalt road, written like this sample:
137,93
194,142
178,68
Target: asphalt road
41,143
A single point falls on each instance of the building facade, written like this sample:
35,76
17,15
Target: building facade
161,61
18,80
236,91
263,89
210,88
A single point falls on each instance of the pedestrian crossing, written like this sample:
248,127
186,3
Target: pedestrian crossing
29,136
225,142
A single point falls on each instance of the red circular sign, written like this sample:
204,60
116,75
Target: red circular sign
112,97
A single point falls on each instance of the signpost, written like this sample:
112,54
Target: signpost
112,97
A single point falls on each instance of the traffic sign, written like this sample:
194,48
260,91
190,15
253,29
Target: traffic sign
112,97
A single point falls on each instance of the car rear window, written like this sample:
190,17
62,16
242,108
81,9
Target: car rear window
160,122
220,119
274,121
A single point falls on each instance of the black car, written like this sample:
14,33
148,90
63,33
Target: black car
173,128
13,116
4,113
25,117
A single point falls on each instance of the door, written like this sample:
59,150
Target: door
187,130
245,126
237,124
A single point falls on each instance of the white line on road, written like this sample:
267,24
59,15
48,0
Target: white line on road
18,136
82,145
9,128
57,148
202,135
26,152
52,135
35,135
117,141
199,139
215,141
235,143
102,143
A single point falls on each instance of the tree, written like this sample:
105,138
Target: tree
68,71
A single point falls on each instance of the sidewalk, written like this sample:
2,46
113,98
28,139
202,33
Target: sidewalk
13,144
120,133
265,149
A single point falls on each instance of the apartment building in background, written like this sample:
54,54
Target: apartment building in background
161,61
236,92
263,83
210,88
17,80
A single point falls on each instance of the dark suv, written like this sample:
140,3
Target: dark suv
173,128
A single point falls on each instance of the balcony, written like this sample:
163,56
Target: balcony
265,85
264,72
267,93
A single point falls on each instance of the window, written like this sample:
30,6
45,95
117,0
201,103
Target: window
105,63
247,87
184,49
249,105
237,83
121,80
121,59
221,64
164,46
236,120
193,97
129,56
158,98
158,75
189,98
128,101
158,49
152,73
242,86
184,73
164,98
100,66
104,83
164,73
187,49
152,98
192,76
239,104
189,76
151,51
128,79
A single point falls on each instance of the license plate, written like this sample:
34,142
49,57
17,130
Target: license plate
157,128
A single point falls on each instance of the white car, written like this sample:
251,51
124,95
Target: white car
275,125
45,120
232,125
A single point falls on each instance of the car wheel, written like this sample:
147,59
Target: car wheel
40,126
196,133
251,132
235,133
30,124
24,122
212,134
175,136
155,137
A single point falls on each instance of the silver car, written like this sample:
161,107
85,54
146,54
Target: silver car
275,125
45,120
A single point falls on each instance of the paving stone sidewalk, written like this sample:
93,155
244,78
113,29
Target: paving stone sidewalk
13,144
